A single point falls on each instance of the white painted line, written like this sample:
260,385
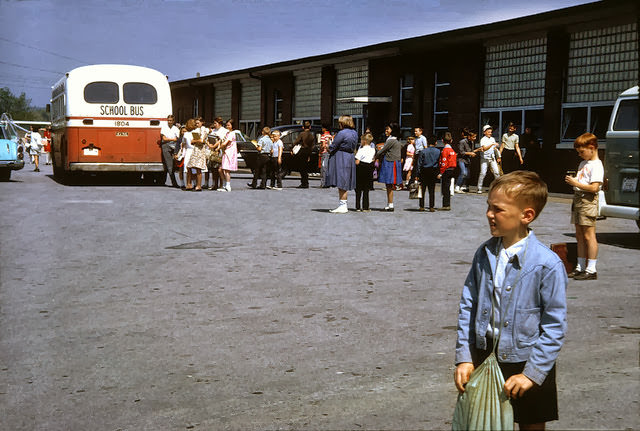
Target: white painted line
76,201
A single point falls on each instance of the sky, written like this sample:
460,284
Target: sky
40,40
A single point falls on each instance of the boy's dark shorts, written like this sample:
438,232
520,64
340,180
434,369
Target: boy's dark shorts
538,404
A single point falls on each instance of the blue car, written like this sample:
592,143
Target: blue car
11,151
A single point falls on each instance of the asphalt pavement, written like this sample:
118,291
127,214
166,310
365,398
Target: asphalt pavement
132,307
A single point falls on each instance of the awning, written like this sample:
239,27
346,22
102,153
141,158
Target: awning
364,99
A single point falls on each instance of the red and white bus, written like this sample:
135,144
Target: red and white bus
107,118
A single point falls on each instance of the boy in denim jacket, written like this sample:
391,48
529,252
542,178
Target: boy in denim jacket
525,284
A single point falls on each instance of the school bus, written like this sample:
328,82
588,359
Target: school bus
620,195
107,118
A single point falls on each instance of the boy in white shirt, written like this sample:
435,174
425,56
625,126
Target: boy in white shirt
487,147
584,210
364,171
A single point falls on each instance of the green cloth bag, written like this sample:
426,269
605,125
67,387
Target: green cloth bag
484,405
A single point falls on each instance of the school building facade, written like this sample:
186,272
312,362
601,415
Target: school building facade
558,72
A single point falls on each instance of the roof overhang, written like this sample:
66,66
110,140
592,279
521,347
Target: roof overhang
365,99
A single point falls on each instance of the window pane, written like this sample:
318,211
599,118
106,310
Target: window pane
442,98
490,118
627,116
101,92
574,122
442,120
139,93
407,100
534,120
600,116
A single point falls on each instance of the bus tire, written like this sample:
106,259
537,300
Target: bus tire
59,174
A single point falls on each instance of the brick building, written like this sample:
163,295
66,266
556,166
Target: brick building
557,72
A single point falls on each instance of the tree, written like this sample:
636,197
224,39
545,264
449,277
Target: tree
20,107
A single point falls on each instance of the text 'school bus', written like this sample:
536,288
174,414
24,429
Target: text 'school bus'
620,194
107,118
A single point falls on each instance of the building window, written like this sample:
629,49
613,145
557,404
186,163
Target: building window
602,63
352,80
250,128
277,108
592,118
441,105
249,112
515,74
222,100
307,95
499,120
406,106
196,107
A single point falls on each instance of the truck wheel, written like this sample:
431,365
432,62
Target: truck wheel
5,175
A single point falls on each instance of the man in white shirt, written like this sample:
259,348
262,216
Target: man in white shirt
169,135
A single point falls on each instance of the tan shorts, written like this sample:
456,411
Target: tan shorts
584,209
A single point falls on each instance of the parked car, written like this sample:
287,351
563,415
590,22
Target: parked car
11,151
288,134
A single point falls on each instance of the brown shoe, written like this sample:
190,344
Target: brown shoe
586,276
573,273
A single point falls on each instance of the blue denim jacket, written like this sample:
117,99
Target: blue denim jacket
535,321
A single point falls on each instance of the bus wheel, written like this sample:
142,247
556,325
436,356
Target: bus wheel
638,223
59,174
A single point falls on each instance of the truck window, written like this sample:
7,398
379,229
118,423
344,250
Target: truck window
627,116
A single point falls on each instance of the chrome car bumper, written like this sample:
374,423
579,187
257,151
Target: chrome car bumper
14,165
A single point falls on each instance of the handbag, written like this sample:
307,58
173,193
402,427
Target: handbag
215,157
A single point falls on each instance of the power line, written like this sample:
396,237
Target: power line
42,50
32,68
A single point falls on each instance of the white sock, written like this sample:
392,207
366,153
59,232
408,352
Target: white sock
591,266
582,263
343,203
391,205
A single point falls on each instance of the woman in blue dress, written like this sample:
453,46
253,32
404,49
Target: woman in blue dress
390,165
342,165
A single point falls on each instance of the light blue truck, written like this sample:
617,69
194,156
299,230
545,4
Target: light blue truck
11,150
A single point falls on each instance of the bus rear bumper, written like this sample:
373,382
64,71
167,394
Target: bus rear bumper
116,167
617,211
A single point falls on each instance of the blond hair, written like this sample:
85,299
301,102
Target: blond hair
367,137
346,121
524,187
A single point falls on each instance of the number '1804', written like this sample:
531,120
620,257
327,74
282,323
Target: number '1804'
122,123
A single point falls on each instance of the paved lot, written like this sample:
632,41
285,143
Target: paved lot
126,307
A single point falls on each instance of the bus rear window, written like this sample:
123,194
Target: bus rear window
139,93
627,116
101,92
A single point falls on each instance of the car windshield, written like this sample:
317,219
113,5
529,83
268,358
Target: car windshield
7,132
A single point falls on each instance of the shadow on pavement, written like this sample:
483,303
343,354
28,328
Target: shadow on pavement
617,239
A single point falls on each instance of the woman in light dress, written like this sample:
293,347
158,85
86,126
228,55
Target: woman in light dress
229,157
